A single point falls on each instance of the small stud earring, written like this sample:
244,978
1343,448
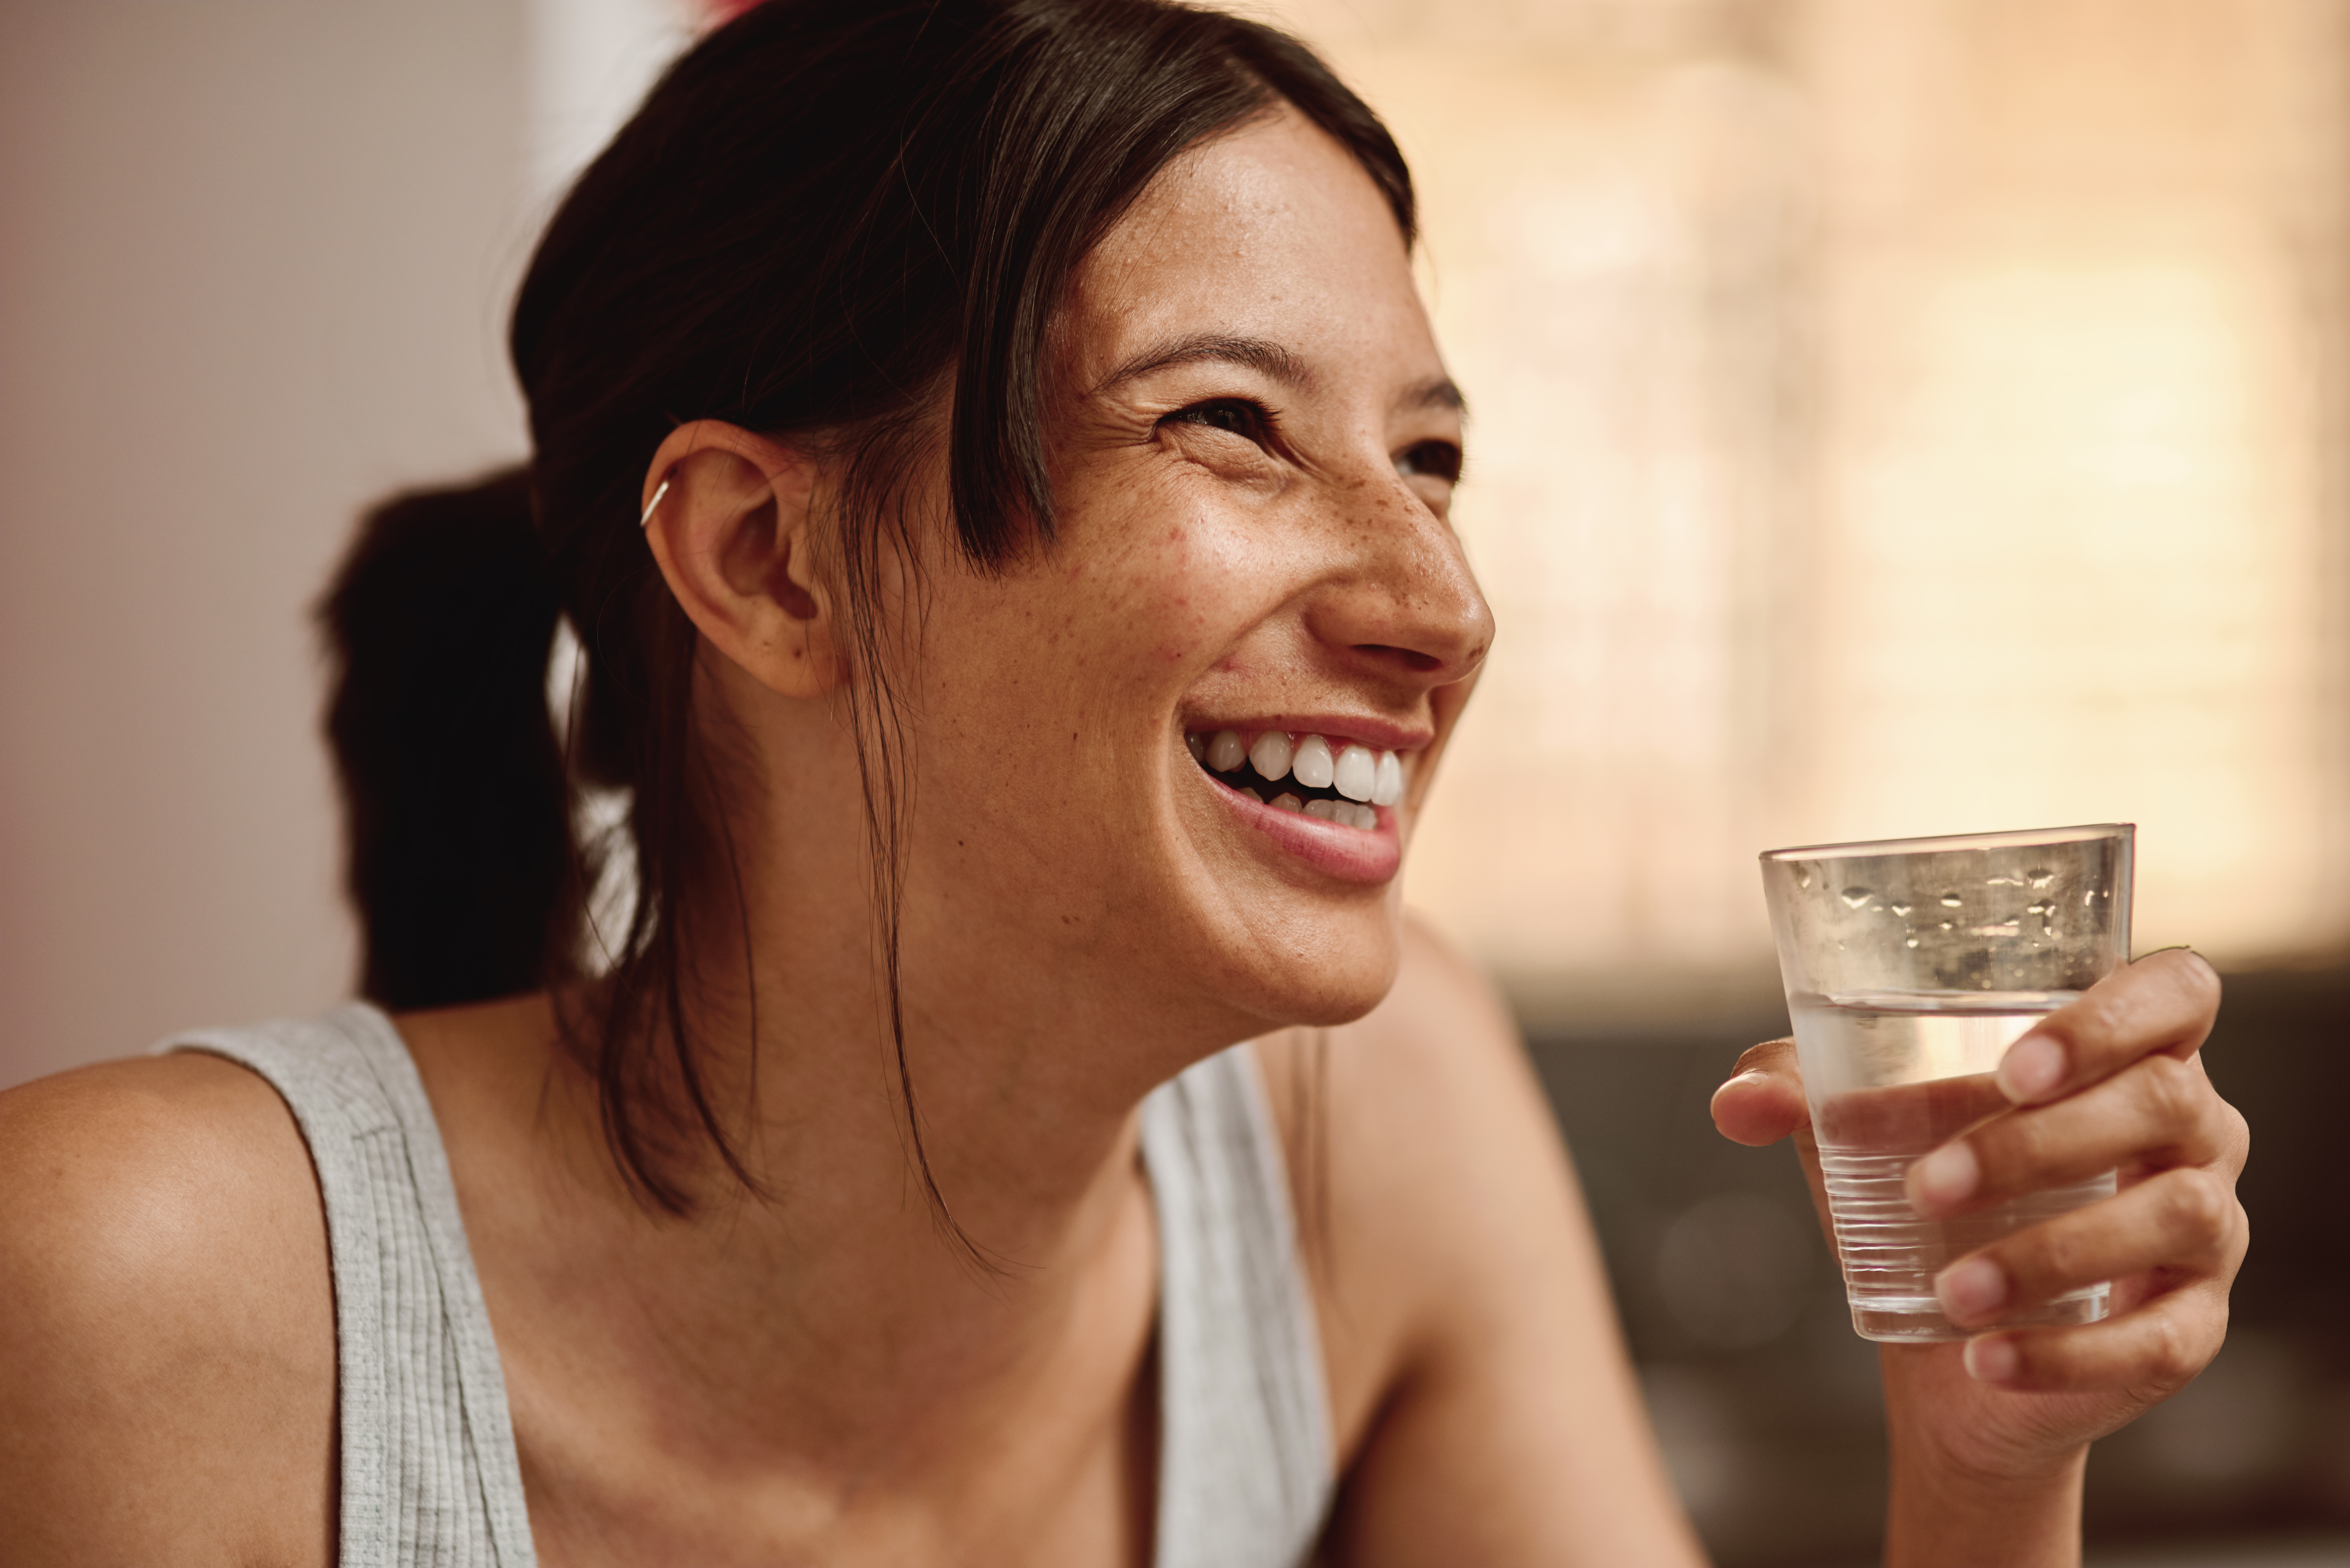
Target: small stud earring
651,505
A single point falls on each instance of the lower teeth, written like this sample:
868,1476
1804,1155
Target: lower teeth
1344,813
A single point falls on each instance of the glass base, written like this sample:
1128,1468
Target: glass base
1919,1320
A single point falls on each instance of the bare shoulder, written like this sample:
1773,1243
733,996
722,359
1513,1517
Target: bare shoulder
167,1355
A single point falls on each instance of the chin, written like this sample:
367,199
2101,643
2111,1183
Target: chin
1338,973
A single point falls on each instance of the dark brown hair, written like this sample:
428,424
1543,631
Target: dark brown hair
830,220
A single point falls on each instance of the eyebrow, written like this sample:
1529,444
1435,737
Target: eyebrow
1437,392
1268,358
1262,355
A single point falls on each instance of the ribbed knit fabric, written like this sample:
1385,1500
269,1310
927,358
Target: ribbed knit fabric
429,1474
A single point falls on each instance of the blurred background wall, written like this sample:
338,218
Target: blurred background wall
1891,417
251,256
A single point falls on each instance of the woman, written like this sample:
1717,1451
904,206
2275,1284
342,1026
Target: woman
996,467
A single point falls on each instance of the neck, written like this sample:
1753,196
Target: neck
840,1310
840,1314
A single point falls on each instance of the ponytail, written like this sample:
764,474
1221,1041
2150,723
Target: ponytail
460,857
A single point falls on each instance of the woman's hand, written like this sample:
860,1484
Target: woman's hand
2114,1082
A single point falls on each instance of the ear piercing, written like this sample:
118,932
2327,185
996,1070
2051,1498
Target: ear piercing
654,504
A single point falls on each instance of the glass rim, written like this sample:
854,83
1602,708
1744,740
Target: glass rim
2011,839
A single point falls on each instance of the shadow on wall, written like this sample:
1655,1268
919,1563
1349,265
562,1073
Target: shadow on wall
1768,1404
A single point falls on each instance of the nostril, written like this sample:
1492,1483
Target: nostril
1418,663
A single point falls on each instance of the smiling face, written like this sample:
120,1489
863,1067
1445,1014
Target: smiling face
1177,752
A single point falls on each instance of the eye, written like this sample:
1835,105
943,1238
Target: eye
1436,459
1235,416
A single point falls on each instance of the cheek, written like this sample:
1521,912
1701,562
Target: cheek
1184,592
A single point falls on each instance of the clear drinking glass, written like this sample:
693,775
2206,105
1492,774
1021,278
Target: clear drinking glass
1910,966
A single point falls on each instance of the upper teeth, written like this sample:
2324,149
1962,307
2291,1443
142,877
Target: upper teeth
1358,772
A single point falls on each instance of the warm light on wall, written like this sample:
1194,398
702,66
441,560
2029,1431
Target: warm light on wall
1890,418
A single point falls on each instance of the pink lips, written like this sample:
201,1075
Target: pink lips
1347,853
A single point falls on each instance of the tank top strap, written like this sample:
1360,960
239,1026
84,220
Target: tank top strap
429,1474
1246,1460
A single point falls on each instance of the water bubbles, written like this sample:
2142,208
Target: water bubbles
2002,881
2040,877
1910,942
1996,928
1902,909
1803,878
1950,900
1854,898
1944,926
2042,908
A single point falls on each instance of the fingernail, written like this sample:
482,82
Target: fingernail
1949,1175
2033,1066
1990,1359
1974,1289
1742,1081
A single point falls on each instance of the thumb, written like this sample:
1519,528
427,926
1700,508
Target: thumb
1762,1101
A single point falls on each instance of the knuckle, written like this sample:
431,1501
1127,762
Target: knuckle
2197,1205
2052,1258
2174,1092
2011,1150
2172,1359
2238,1137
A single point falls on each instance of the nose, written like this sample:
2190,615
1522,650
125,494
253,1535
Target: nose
1404,604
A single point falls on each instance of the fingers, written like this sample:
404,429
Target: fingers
2166,1002
2158,1113
1764,1102
2183,1221
2154,1351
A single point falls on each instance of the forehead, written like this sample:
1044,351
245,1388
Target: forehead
1271,231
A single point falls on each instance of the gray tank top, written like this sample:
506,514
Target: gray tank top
429,1472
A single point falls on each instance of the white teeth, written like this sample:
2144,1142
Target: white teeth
1313,763
1365,778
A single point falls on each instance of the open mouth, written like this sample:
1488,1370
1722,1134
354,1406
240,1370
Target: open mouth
1338,780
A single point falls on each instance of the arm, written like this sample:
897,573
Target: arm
167,1352
1487,1412
1989,1438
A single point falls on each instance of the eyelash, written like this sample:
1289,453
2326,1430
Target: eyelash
1254,421
1439,459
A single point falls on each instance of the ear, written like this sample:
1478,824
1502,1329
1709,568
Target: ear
730,532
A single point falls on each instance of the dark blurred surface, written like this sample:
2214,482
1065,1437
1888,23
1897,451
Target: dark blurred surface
1767,1404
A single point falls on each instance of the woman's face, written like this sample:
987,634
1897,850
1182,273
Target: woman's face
1255,444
